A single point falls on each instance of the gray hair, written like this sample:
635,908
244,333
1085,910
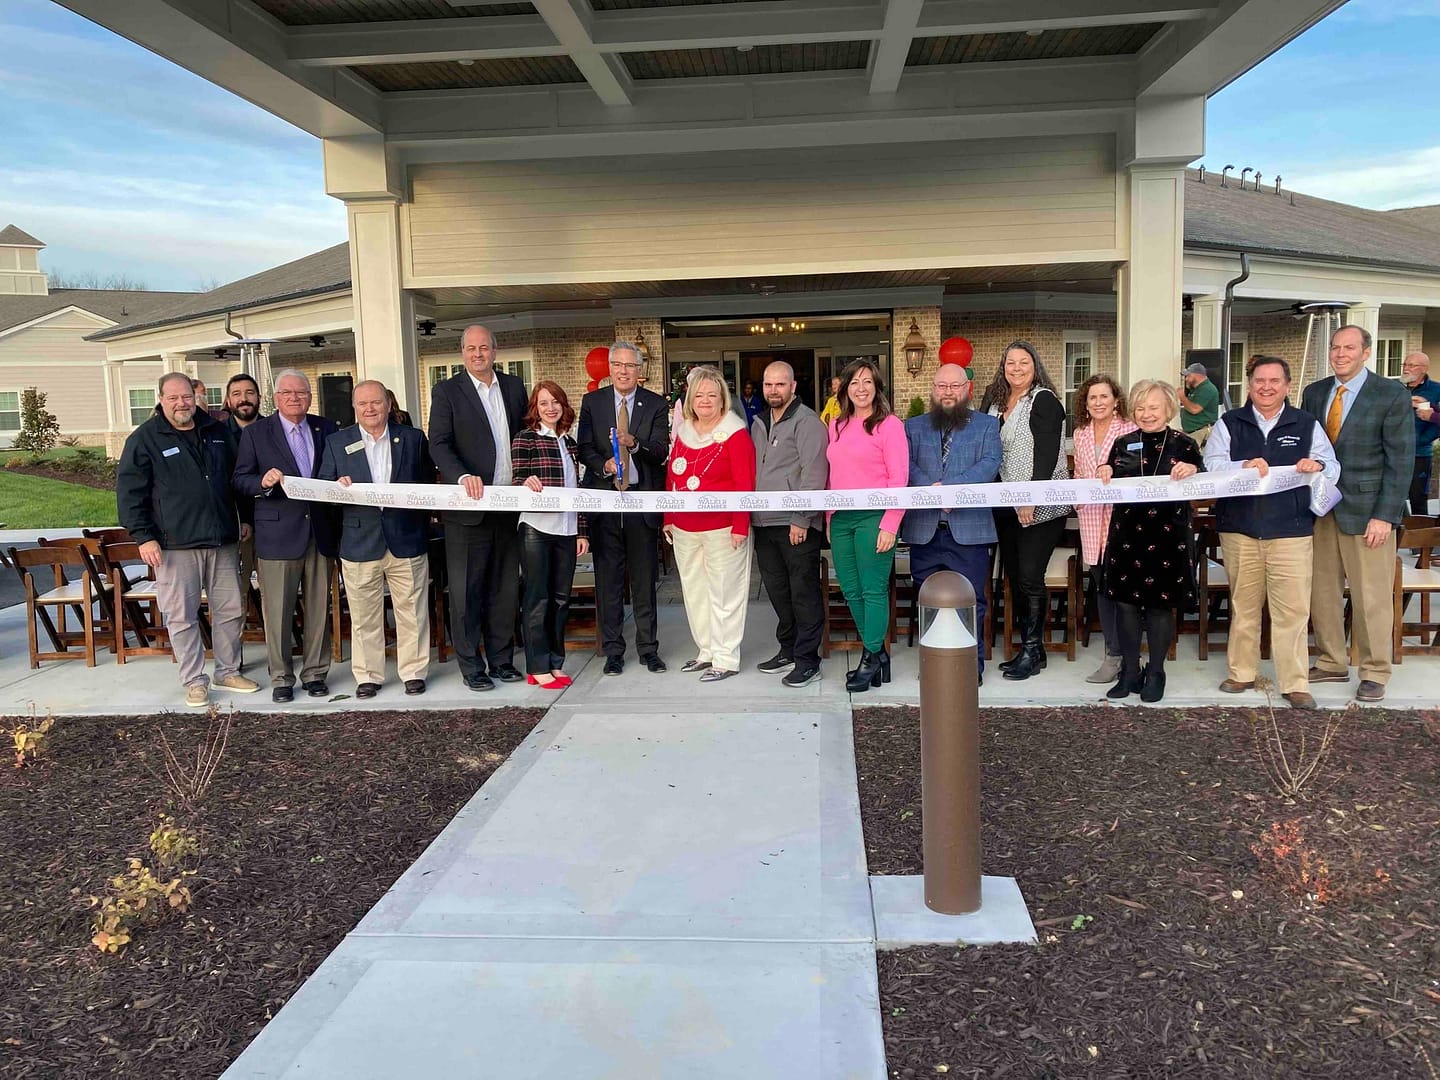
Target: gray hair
625,346
367,382
170,376
291,373
494,344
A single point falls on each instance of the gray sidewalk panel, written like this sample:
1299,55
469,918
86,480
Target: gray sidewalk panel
901,917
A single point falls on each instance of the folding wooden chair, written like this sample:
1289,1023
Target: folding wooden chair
1417,583
137,604
92,551
55,592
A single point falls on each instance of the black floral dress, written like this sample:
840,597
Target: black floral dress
1150,550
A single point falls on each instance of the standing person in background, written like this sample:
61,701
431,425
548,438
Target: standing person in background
953,444
1100,419
831,410
397,414
545,455
867,450
1370,423
474,417
242,403
1425,397
1032,433
790,444
752,402
1200,403
295,539
627,414
383,548
712,452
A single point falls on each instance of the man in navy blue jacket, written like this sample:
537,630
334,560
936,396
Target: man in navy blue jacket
382,547
294,538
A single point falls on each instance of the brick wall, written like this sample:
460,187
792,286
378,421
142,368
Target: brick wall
906,385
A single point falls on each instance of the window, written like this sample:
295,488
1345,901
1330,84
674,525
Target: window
142,404
443,371
1079,365
9,410
214,397
1235,375
1389,356
519,366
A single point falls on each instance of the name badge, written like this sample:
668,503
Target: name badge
355,447
171,452
1132,447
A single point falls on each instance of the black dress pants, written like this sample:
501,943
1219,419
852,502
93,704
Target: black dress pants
482,564
1420,486
549,564
1025,553
791,573
621,542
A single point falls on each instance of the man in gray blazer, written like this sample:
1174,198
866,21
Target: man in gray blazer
953,444
1370,423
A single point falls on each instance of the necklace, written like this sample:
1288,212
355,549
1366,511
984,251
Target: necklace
680,464
1164,441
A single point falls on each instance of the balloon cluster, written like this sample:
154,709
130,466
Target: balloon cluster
597,366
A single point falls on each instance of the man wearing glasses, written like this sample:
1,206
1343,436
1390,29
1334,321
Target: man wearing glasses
624,439
295,540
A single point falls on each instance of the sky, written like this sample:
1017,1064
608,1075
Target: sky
124,163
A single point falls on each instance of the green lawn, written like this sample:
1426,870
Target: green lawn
33,502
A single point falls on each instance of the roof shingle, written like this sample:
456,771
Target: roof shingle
16,237
117,305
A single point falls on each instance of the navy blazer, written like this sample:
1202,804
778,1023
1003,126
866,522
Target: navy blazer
284,526
461,439
974,459
368,532
649,423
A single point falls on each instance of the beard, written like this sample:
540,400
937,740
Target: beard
245,410
949,417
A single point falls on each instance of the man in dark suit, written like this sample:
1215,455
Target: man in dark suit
294,539
638,419
1371,425
473,418
382,547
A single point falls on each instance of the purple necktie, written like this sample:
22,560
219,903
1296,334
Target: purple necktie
300,447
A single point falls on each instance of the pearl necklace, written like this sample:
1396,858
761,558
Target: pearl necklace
680,464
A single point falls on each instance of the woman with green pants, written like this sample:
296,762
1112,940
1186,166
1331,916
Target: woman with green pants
867,450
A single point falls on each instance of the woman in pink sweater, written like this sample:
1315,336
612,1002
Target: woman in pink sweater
867,449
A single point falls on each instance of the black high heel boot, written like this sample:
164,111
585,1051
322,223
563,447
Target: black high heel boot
884,655
1154,684
866,675
1032,659
1131,681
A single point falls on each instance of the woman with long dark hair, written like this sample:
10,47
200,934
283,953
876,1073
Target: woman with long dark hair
1032,431
544,455
867,449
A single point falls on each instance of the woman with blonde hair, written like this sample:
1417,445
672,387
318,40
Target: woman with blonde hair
1100,419
1149,553
712,451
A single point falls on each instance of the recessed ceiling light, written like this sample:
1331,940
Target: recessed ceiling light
466,63
1033,33
743,48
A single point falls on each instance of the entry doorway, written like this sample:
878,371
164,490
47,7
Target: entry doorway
753,364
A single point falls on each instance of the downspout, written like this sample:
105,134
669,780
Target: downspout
1225,322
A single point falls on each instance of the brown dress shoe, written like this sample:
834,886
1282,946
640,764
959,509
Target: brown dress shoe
1299,700
1232,686
1316,674
1369,690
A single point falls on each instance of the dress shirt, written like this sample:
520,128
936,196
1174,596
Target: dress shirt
494,403
300,433
1352,390
559,522
629,400
377,453
1217,448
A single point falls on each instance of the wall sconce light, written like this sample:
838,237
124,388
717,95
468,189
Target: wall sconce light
914,349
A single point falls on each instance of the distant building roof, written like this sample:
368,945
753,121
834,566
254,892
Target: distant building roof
1236,219
11,236
117,305
324,271
1427,217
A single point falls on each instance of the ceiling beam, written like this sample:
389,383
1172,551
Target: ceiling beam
721,25
887,56
569,21
947,18
422,40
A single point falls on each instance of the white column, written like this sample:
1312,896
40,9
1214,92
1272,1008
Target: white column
1208,321
1149,286
178,361
117,405
1367,317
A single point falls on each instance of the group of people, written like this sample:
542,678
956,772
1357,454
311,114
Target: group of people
204,496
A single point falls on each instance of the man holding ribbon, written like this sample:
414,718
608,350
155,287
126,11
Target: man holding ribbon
624,438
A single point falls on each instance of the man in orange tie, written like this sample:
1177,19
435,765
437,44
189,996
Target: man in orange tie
1369,422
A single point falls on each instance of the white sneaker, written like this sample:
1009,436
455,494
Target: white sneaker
238,683
197,695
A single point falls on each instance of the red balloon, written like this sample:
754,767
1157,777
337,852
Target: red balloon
957,350
597,363
593,384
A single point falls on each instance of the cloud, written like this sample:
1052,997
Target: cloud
1387,11
1411,178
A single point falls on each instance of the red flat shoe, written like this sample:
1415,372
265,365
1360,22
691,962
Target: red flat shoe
553,684
564,680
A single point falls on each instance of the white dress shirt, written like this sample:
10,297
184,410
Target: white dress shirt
558,522
494,403
1352,389
377,454
1217,448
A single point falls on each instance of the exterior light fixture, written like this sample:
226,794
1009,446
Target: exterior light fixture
914,349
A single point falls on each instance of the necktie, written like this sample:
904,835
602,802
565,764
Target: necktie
622,425
945,450
300,447
1335,415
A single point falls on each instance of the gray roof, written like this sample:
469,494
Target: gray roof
117,305
1427,217
1232,219
323,272
15,237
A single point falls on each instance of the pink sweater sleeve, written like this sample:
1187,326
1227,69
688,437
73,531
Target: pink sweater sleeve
896,450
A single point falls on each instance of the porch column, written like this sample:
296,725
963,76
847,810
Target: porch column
1366,316
359,171
177,361
1207,318
1149,287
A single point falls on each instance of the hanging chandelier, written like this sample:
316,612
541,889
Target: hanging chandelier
777,326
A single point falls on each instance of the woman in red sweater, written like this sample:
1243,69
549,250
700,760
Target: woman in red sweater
712,452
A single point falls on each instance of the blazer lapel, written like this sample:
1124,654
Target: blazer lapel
398,446
317,446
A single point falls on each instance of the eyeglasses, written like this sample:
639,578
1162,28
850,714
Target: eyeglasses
950,386
624,366
292,393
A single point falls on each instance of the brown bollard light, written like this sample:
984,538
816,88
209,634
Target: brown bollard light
950,743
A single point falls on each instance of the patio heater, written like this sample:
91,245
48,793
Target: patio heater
255,359
1324,317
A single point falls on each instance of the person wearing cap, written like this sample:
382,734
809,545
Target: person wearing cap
1199,403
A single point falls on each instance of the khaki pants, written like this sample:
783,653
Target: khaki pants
281,582
1371,573
715,579
409,582
1201,435
179,579
1277,571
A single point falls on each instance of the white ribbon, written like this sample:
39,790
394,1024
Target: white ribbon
1242,482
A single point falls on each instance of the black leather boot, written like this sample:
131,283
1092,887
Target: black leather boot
884,655
1032,642
1131,680
1154,684
866,675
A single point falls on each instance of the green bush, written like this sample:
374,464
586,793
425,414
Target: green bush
917,407
38,427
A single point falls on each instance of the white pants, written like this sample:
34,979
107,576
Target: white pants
715,578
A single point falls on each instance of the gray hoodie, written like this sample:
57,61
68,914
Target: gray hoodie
790,456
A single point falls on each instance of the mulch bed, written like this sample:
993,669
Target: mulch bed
1166,950
308,822
49,472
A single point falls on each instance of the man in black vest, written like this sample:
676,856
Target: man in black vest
1268,540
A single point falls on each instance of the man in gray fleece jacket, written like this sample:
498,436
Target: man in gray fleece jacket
790,456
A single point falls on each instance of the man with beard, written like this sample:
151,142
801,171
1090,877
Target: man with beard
952,444
242,403
790,444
